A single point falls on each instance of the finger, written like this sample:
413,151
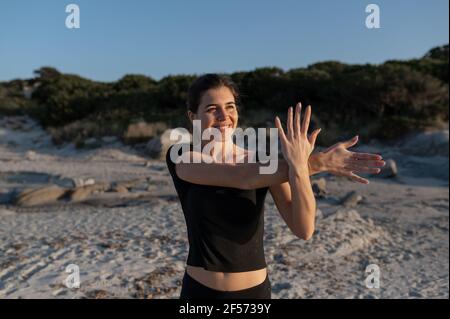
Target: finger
362,169
353,161
332,147
298,109
351,142
367,156
313,137
290,131
306,119
280,128
358,179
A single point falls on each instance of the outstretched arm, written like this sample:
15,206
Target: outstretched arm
336,160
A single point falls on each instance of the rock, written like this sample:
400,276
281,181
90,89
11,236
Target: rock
79,182
30,155
158,146
351,199
80,194
319,187
43,195
89,181
61,181
120,189
426,144
83,192
389,170
125,186
59,292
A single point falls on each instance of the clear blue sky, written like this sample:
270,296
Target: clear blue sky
158,38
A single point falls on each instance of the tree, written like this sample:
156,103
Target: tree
134,82
46,73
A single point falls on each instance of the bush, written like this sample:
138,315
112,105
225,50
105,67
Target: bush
385,100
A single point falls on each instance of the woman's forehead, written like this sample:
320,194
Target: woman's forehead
220,95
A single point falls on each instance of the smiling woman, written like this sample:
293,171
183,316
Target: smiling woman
214,101
223,203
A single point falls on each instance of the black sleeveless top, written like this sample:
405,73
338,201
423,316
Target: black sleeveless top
225,225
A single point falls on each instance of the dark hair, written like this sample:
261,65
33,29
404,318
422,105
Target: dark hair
206,82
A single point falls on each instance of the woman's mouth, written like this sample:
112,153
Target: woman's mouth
222,127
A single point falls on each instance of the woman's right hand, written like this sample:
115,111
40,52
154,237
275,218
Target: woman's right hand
296,146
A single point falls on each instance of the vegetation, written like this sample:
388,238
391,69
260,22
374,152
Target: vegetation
383,101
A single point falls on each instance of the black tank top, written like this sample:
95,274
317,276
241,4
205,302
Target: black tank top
225,225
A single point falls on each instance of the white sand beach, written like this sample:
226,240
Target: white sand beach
132,242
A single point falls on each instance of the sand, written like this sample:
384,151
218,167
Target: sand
134,244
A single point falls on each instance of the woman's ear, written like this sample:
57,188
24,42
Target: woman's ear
191,115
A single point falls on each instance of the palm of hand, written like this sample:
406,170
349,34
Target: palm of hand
296,146
341,162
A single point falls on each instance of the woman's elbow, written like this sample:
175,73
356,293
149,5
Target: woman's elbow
305,234
305,230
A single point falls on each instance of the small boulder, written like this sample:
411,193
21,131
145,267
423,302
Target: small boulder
158,146
83,192
79,182
40,196
351,199
89,181
389,170
319,187
120,189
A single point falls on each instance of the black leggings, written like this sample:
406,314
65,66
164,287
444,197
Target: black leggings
192,289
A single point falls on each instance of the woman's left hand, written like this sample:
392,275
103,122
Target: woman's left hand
337,160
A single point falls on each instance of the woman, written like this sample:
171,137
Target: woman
223,202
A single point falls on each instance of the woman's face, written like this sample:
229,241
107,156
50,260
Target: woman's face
217,109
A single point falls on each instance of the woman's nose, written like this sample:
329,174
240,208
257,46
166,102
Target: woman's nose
221,114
